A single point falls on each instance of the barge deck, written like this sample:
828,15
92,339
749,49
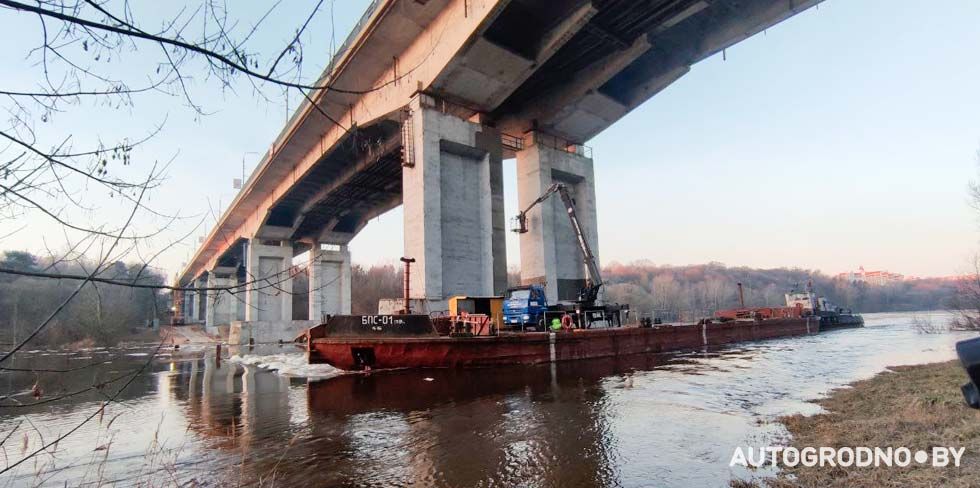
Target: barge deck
411,341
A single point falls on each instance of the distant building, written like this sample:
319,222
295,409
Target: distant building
874,278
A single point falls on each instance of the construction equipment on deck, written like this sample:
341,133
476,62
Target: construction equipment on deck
531,307
590,292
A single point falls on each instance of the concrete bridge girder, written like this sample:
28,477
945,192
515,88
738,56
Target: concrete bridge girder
488,72
580,104
576,109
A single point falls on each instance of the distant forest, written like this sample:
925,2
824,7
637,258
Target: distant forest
101,314
695,291
105,314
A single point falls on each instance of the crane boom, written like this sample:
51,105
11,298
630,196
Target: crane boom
594,281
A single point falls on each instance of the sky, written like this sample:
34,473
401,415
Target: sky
845,136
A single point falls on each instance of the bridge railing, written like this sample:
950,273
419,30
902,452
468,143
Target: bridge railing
368,13
561,144
512,142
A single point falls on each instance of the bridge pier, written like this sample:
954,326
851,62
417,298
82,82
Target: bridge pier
186,298
329,281
453,205
550,254
221,305
196,301
268,295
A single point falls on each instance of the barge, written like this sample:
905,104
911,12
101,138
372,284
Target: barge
370,342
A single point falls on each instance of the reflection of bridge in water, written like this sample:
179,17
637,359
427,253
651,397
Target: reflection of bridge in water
539,425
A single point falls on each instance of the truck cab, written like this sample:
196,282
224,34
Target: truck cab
525,307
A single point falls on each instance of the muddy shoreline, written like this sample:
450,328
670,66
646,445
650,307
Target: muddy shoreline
918,407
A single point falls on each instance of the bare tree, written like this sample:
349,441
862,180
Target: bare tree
106,53
668,296
111,54
966,303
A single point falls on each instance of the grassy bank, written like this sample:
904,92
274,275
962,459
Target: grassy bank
918,407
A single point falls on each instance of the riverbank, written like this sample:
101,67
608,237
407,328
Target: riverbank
919,407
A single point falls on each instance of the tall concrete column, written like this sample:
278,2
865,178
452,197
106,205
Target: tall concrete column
550,254
453,205
220,303
194,297
268,296
329,283
186,304
238,304
202,298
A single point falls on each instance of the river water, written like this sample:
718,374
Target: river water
654,420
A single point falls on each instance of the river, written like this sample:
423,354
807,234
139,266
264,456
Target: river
654,420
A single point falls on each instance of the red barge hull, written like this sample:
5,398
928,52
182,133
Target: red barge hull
350,349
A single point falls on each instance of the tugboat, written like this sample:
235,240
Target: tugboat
831,316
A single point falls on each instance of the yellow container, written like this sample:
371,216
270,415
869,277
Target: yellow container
490,306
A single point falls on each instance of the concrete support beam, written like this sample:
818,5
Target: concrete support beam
221,305
329,283
268,296
550,254
569,110
453,205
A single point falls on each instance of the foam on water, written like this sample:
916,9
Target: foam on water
288,364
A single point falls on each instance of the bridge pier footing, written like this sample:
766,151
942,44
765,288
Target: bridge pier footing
550,254
453,205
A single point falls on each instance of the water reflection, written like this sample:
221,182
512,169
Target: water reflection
635,421
538,425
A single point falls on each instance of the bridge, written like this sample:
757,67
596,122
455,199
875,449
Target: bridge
425,100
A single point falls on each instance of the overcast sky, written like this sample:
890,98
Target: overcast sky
845,136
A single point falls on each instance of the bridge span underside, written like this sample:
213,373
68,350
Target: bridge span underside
426,100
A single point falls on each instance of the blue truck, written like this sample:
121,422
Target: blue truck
525,307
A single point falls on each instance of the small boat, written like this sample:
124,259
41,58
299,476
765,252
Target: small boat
831,316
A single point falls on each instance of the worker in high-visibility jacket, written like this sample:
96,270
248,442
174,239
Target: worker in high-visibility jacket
555,324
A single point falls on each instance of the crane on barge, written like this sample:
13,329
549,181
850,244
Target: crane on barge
590,292
586,307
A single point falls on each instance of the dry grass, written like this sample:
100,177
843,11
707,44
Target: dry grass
918,407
